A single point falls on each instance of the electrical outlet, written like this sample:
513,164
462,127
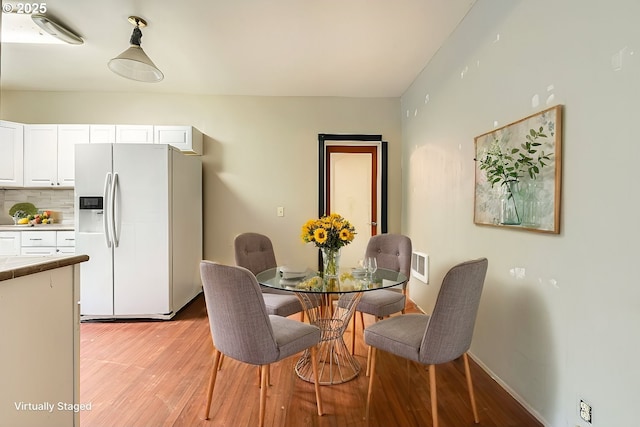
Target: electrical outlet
585,411
280,211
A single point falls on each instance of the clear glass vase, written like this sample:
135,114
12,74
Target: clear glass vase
330,262
531,205
510,204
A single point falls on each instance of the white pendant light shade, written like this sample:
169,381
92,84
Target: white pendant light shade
133,63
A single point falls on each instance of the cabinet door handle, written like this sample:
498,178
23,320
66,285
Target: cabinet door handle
30,238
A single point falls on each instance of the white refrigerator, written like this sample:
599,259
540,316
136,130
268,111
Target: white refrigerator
138,214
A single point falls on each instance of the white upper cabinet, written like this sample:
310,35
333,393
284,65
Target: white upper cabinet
11,160
102,134
134,134
184,138
43,155
68,137
49,154
40,155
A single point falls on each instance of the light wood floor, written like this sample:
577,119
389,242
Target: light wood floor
154,374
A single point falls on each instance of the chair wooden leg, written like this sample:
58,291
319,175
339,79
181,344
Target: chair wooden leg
472,396
404,309
217,358
260,368
316,379
372,351
221,360
368,352
263,393
434,394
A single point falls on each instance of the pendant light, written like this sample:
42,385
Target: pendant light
133,63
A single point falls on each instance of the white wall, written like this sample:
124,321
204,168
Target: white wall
569,328
260,153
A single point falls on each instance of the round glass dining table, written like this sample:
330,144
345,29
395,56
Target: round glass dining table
329,304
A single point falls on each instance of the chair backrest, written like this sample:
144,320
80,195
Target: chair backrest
254,252
392,251
238,318
450,329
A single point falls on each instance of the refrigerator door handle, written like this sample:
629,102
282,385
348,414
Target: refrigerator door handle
105,218
114,210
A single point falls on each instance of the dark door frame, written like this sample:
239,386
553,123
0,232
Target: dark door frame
322,138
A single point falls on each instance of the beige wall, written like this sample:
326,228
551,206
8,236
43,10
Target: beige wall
560,314
260,152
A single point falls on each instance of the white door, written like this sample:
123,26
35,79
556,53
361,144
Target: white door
141,257
93,163
353,191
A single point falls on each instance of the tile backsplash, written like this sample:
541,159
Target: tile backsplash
60,201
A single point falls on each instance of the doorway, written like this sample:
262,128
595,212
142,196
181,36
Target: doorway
353,182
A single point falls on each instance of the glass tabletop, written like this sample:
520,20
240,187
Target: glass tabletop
311,281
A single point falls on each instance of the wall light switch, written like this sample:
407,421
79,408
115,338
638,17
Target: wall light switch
280,211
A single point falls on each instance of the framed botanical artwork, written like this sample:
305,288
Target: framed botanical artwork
518,174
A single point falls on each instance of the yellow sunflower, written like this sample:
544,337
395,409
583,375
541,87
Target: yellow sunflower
320,235
330,232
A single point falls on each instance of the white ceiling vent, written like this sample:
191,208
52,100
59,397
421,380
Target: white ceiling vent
420,266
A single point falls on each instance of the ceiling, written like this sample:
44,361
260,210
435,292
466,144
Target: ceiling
350,48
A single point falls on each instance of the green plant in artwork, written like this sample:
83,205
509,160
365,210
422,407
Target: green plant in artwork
512,164
506,165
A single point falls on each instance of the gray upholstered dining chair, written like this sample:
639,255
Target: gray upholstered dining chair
443,336
254,252
392,251
242,329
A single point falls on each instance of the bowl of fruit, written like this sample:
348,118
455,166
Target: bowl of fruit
43,217
29,215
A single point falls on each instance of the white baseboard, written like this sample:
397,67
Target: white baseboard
511,392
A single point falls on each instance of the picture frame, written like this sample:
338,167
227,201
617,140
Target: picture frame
518,171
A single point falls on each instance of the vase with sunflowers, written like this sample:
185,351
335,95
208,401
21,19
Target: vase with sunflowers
329,233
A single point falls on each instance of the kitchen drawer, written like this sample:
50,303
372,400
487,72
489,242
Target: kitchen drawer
34,250
65,238
38,238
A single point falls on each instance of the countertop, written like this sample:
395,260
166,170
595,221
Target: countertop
39,227
23,265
